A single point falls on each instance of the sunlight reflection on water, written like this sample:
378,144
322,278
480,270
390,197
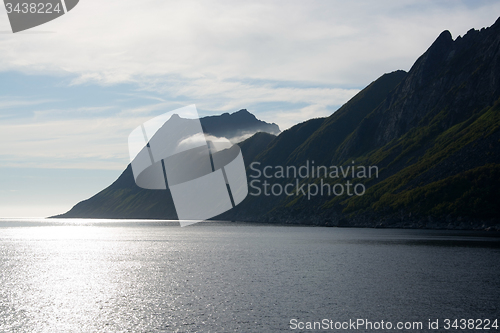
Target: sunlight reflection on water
143,276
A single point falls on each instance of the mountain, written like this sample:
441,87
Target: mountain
434,138
254,145
124,199
313,140
431,137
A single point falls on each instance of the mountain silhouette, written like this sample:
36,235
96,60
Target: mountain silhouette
240,124
124,199
433,134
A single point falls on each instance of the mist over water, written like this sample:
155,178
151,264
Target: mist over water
138,276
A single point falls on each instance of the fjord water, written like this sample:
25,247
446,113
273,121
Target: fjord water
147,276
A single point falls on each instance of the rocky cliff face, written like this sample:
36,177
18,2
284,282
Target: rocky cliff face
459,77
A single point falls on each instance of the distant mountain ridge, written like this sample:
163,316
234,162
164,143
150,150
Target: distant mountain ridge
236,125
433,133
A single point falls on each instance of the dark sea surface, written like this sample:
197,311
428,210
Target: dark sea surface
153,276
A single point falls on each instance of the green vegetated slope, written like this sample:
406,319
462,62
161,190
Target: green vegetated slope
432,133
313,140
456,177
320,146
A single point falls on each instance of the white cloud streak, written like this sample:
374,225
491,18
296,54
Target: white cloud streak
13,102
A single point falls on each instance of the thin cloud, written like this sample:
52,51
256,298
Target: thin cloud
71,112
96,143
329,42
16,102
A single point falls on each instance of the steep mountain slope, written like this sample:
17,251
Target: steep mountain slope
254,145
435,139
338,126
125,200
314,140
437,130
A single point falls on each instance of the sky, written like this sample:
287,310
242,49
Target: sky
72,90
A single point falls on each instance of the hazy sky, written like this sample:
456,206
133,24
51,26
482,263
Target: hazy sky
72,90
